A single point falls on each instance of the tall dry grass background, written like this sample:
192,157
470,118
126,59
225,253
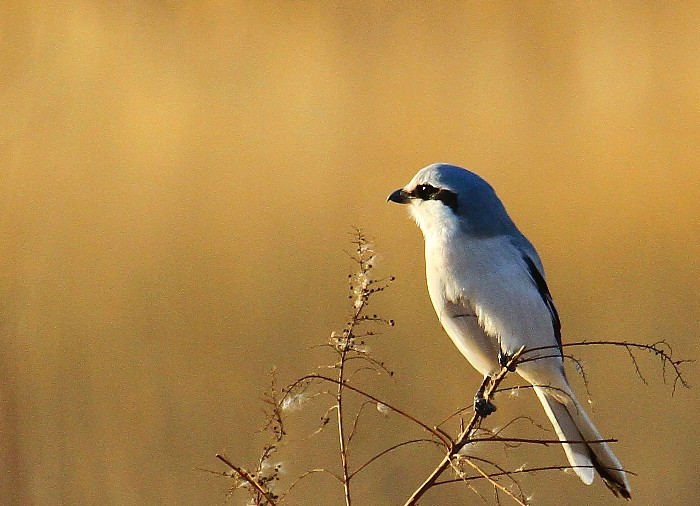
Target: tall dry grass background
177,186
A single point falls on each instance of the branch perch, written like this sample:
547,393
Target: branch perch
464,437
250,479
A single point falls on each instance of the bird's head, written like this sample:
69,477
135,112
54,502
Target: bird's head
443,197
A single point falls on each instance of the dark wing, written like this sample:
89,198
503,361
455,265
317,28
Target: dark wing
541,284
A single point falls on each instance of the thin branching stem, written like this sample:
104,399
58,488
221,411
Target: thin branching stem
245,475
389,450
353,431
497,486
522,471
463,437
362,293
543,442
435,432
304,475
473,458
661,349
341,428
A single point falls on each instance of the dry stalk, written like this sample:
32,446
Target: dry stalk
464,436
250,479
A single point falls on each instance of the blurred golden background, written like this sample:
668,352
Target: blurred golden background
178,184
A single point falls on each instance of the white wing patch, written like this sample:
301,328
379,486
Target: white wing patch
485,322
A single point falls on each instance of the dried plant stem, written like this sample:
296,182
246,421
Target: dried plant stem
444,439
463,438
529,470
341,428
345,345
497,486
391,449
661,349
543,442
245,475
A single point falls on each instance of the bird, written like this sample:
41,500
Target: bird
489,290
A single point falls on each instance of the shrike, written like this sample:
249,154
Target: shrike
488,287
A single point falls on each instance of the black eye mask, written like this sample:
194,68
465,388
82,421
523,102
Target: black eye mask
429,192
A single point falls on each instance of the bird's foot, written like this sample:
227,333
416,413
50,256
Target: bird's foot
504,358
483,407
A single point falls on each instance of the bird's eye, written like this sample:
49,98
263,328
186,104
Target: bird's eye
424,191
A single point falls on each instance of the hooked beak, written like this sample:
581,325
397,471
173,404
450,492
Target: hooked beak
399,196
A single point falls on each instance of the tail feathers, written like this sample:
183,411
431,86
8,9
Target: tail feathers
571,423
578,453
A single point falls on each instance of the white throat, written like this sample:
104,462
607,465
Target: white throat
435,219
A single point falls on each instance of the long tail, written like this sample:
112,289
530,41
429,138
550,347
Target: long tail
571,423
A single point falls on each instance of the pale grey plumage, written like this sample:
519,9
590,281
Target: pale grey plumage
487,284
